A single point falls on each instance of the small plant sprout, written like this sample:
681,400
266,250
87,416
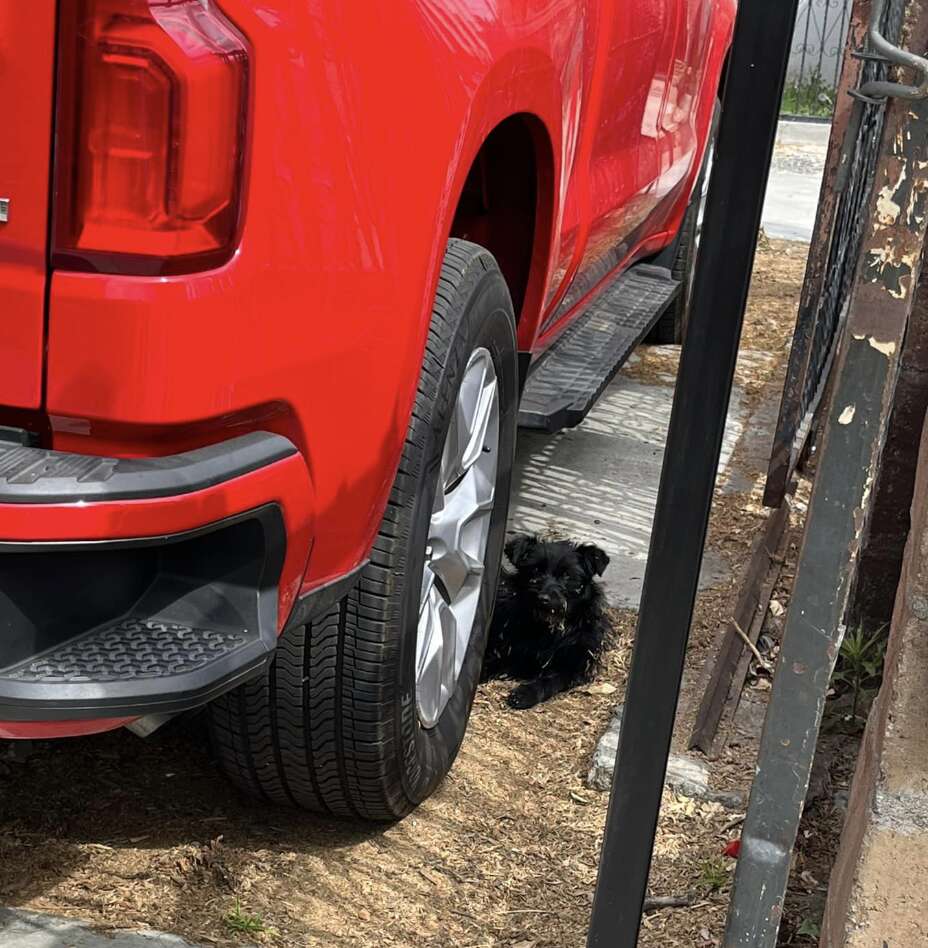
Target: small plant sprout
860,664
713,873
242,922
810,928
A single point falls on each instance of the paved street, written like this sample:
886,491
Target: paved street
795,179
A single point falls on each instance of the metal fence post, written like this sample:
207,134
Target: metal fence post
751,105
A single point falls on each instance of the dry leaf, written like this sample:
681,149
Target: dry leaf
808,879
600,688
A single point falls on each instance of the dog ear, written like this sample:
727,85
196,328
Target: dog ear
519,547
593,558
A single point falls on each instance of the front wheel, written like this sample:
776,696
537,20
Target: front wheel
362,712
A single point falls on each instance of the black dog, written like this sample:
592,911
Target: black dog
550,625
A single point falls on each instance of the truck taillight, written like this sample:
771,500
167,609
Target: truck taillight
150,135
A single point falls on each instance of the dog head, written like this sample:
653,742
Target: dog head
555,577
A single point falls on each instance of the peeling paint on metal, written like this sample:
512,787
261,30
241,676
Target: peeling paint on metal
916,209
887,348
887,267
887,209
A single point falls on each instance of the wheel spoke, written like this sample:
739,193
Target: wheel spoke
481,416
455,443
474,412
437,644
428,584
457,539
429,650
449,636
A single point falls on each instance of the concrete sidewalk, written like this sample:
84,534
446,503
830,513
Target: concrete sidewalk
796,172
599,481
20,929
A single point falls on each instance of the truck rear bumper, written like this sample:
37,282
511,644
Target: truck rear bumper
138,586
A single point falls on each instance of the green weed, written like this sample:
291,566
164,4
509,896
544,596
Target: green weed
859,668
813,96
713,873
242,922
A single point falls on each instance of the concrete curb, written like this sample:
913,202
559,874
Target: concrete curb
685,775
21,929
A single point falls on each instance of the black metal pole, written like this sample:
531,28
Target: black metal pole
751,106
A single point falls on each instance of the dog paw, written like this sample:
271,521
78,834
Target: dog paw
522,697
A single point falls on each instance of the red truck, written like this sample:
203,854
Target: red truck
279,280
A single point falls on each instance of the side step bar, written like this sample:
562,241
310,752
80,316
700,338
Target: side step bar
565,382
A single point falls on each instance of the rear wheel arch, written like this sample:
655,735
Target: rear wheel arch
507,205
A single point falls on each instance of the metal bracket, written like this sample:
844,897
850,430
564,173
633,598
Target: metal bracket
877,91
866,57
867,99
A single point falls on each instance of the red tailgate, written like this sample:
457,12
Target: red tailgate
27,63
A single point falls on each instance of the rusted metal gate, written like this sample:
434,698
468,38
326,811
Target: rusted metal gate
835,247
865,311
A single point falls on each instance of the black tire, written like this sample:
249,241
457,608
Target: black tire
671,327
333,726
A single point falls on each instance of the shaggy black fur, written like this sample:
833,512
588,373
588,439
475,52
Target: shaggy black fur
550,626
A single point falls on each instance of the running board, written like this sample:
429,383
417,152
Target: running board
565,382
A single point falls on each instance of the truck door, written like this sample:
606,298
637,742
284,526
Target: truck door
685,92
27,62
614,180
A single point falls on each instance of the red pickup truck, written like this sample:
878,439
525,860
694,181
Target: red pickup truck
279,280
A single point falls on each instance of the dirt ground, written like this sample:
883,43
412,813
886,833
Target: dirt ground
129,833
